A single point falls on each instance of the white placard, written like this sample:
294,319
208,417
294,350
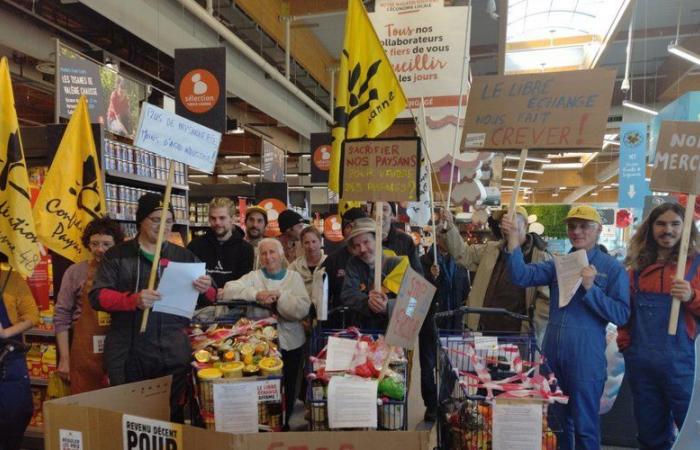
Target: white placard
70,440
269,391
178,295
569,269
174,137
319,294
352,402
339,353
98,344
236,407
140,433
517,424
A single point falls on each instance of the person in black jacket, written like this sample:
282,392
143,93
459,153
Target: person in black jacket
121,288
227,256
398,242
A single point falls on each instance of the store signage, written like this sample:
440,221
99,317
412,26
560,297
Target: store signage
70,440
333,228
273,198
140,433
273,162
412,306
677,164
320,157
113,99
200,81
549,110
177,138
633,186
380,169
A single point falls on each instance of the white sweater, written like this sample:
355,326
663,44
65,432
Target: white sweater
292,306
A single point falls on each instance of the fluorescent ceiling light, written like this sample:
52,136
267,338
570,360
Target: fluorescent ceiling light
529,158
561,188
319,187
562,166
555,194
587,159
250,167
594,194
245,182
638,107
292,175
237,157
522,181
614,184
194,175
253,175
194,182
513,169
227,176
684,53
566,155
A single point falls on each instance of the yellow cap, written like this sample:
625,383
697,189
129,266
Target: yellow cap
584,212
499,213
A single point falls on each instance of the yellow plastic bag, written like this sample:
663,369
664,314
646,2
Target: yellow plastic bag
57,387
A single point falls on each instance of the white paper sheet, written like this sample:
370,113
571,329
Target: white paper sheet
319,294
517,424
352,402
236,407
339,353
178,295
569,269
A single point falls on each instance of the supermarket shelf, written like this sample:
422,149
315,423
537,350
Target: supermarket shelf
40,332
34,432
38,381
146,181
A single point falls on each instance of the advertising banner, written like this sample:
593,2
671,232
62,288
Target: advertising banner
633,165
273,163
200,83
272,197
320,157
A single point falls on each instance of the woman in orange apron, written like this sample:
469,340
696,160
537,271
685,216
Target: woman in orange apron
80,361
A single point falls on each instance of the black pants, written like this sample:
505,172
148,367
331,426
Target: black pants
427,346
15,402
293,363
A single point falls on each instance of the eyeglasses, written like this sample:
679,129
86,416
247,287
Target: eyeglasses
571,226
156,221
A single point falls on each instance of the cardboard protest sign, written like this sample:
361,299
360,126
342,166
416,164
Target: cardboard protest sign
380,169
547,110
174,137
677,164
412,306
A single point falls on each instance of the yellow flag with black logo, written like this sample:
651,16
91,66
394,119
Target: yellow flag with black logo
393,279
18,240
72,194
369,96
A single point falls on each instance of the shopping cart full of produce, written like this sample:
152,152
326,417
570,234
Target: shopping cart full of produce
480,374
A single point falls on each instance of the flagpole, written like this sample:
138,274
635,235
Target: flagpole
159,243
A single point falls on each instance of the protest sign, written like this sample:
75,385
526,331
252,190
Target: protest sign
677,169
380,169
140,433
412,306
548,110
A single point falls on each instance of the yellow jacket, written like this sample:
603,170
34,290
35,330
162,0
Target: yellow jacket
18,299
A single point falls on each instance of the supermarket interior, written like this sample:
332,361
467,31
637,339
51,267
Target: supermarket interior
192,194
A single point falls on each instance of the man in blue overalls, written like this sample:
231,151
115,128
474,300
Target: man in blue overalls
574,343
660,366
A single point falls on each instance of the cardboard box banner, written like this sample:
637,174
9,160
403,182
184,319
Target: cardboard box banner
320,156
548,110
380,169
677,164
140,433
412,306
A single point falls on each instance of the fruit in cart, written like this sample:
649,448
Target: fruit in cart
549,440
229,356
202,356
250,370
391,388
269,332
261,348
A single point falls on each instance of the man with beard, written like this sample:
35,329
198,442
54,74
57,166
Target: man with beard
227,256
397,241
255,223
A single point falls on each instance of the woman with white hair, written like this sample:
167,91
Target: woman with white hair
282,291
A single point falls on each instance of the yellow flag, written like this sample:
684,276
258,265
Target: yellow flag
72,194
369,96
394,278
18,240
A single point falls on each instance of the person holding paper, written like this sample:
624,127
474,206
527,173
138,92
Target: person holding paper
276,290
493,286
574,343
371,308
660,366
80,361
121,289
313,256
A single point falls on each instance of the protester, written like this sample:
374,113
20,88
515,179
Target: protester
80,362
227,256
313,256
493,287
397,241
291,225
660,367
255,223
18,313
371,308
574,343
121,288
282,291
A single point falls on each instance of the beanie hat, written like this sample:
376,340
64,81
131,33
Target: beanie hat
353,214
288,218
148,203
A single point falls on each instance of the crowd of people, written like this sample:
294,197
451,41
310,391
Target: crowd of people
106,296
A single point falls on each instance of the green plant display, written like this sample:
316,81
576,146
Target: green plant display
552,217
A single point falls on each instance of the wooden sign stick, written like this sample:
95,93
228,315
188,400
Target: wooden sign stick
516,186
682,257
159,243
378,213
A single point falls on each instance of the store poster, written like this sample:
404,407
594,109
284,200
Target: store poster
273,198
333,228
320,156
274,163
425,43
633,186
200,82
113,99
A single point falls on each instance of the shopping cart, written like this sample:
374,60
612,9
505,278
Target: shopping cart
391,414
475,368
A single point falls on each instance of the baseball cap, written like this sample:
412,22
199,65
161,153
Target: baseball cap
257,209
288,219
361,226
499,213
584,212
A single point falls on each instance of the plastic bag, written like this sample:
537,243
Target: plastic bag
616,370
57,387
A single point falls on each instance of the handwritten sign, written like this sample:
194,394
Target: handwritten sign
380,169
412,306
174,137
140,433
548,110
677,164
